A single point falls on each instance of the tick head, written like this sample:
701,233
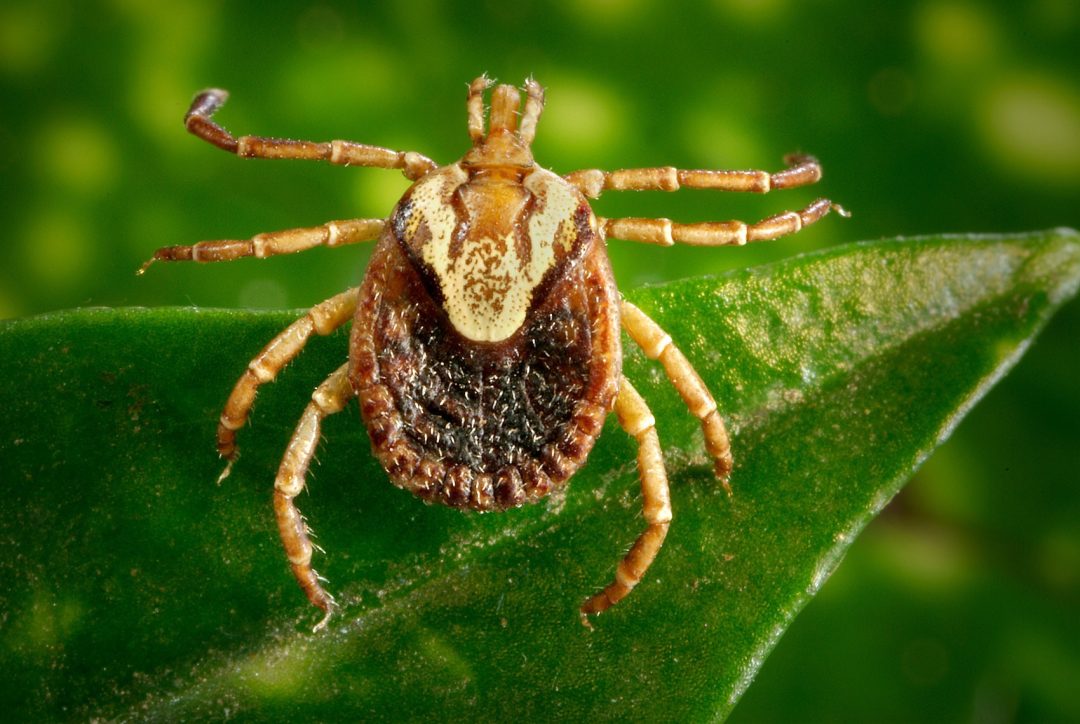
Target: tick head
505,148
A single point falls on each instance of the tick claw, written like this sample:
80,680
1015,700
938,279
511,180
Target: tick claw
325,619
225,472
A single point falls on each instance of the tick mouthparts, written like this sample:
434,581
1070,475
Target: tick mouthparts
505,111
505,101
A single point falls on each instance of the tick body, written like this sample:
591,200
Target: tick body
485,345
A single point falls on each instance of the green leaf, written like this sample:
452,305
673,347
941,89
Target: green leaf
136,588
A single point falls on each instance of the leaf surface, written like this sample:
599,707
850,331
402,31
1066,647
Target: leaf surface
135,587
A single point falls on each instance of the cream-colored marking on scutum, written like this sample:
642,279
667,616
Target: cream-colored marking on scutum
487,288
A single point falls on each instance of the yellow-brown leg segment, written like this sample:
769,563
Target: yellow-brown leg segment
290,241
346,153
637,420
321,319
657,345
329,397
801,171
666,232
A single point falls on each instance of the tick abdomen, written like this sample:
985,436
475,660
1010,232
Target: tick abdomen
484,425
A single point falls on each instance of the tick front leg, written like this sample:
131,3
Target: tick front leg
322,319
657,345
346,153
801,171
666,232
329,397
290,241
637,420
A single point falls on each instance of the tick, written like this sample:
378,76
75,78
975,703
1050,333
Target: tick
485,347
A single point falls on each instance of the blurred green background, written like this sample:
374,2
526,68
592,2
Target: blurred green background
960,602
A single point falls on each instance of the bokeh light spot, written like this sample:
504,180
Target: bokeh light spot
1032,125
8,307
77,154
325,82
582,118
376,192
157,100
169,41
927,558
752,11
891,91
27,37
720,141
605,15
1055,16
956,33
1058,560
56,250
320,26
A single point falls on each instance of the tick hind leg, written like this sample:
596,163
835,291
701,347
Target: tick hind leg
657,345
638,421
322,319
329,397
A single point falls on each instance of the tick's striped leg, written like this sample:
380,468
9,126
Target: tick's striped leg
657,344
801,171
322,319
328,398
290,241
666,232
637,420
346,153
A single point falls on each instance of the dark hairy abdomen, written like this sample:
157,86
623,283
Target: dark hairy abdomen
459,401
483,425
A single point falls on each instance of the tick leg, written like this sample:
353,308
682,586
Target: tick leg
657,345
290,241
322,319
346,153
801,171
328,398
666,232
637,420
